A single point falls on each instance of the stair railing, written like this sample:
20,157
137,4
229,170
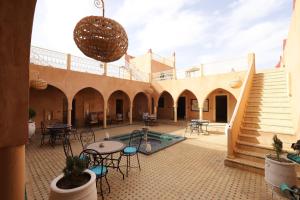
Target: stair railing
233,128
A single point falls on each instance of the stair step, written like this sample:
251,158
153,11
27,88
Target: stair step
268,95
269,76
269,100
245,164
270,129
262,91
251,155
268,104
259,120
267,110
267,124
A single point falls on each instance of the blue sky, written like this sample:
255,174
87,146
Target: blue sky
199,31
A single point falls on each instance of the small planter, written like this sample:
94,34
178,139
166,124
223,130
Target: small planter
235,83
88,191
31,128
277,172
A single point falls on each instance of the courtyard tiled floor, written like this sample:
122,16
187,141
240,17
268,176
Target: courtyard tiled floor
192,169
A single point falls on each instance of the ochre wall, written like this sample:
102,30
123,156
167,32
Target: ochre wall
190,114
86,101
112,104
291,61
140,106
167,111
48,104
158,66
231,102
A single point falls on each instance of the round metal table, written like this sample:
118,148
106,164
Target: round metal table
107,147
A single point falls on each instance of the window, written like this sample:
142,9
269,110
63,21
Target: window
161,102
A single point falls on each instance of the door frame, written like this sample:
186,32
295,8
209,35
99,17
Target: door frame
215,107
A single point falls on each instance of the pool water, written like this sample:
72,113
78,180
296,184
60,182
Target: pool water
157,140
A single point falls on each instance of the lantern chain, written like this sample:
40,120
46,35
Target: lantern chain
100,4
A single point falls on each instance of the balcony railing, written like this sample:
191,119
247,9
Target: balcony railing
164,60
225,66
86,65
163,75
45,57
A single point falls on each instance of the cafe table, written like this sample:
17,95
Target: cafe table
109,147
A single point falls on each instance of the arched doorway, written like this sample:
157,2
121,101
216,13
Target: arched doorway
165,107
50,104
118,107
140,106
187,106
87,108
219,106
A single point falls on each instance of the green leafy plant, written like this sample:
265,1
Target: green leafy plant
31,113
277,146
74,170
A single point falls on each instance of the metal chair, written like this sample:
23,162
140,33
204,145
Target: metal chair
133,147
95,163
67,146
87,136
44,133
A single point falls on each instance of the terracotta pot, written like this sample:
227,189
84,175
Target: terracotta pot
235,83
87,191
277,172
31,128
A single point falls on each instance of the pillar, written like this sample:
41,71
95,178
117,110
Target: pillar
105,69
175,113
17,18
200,113
130,113
69,114
155,110
68,61
104,114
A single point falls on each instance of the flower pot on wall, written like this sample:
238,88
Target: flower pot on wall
88,191
235,83
277,172
31,128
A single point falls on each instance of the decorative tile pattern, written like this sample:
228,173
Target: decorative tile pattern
192,169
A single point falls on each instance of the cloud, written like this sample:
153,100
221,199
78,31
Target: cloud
199,31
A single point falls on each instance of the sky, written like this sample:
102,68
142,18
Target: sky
198,31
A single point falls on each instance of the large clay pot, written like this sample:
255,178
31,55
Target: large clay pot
277,172
87,191
31,128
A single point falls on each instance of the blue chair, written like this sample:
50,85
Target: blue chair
133,147
292,193
95,163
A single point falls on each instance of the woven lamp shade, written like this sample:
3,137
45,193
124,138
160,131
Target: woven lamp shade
101,38
38,84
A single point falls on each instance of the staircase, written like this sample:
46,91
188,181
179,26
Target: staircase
268,112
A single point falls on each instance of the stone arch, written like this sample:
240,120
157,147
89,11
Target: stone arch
218,105
118,102
140,105
87,103
187,105
165,106
50,104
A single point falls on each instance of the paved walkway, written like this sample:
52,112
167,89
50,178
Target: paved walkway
192,169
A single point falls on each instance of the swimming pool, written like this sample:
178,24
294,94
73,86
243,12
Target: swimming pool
157,140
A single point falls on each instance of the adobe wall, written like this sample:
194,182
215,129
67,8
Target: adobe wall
291,61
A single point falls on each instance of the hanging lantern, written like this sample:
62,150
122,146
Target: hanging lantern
101,38
38,83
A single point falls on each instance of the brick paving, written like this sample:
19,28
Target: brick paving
192,169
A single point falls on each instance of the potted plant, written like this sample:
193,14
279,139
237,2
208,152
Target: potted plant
279,170
31,123
76,182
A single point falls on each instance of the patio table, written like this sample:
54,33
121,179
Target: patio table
56,130
199,124
109,147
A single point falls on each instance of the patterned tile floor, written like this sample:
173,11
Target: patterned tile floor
192,169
